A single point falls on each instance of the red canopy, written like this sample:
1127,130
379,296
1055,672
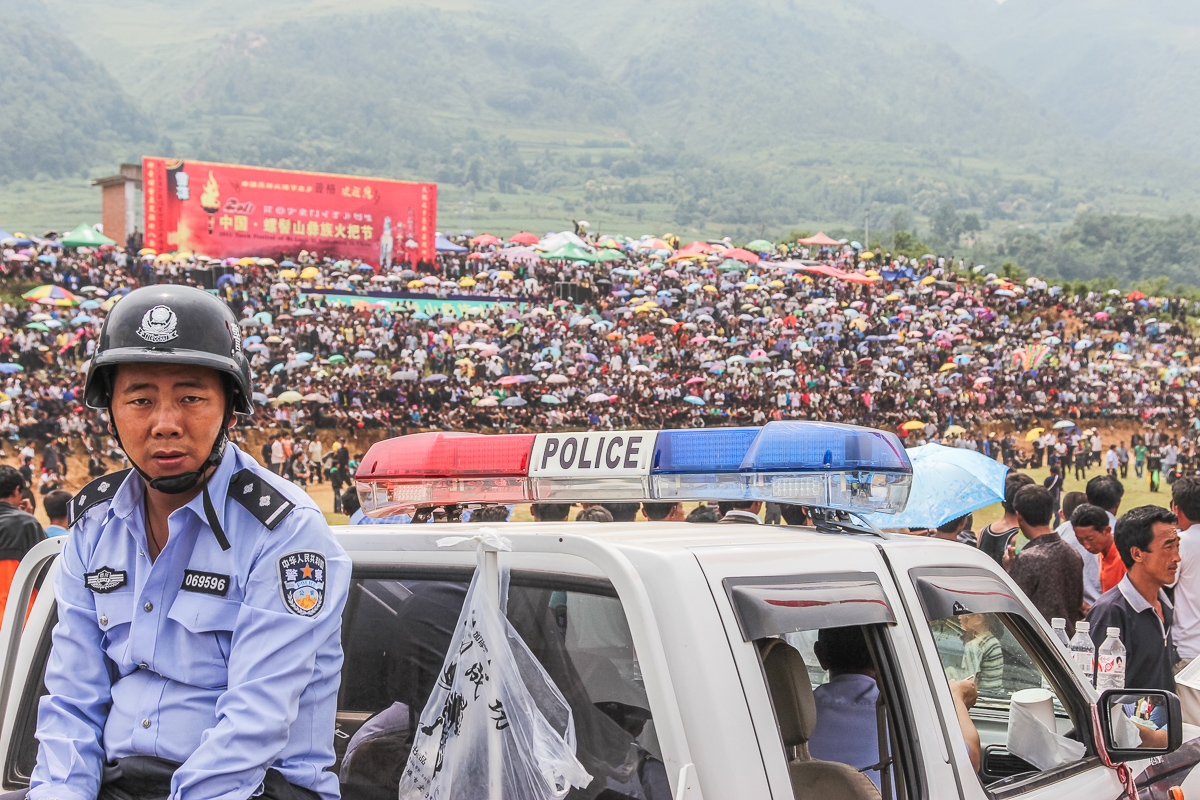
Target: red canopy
740,255
485,239
524,238
820,240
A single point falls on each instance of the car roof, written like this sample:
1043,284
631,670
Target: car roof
661,536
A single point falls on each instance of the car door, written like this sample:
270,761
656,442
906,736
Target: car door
25,647
970,618
795,592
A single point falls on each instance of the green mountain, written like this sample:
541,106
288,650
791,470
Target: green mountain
63,112
1121,71
751,118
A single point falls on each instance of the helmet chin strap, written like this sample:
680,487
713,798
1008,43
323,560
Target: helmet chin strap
186,481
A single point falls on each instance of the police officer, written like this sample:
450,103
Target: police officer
197,651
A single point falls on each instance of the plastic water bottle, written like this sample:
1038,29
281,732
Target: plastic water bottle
1110,662
1060,630
1083,652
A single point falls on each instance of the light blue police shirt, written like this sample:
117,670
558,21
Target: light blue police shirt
165,659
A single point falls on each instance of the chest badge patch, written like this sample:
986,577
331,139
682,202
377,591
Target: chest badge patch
105,580
302,582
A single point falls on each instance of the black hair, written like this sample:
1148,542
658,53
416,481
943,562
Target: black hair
1135,528
350,502
1072,501
622,512
552,512
1089,516
952,525
1105,491
1015,482
794,514
1034,504
657,512
594,514
844,648
725,506
703,514
10,480
56,504
1185,493
490,514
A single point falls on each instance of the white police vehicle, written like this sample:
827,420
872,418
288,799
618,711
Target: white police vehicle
687,651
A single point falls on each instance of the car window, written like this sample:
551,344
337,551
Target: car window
396,632
855,713
983,632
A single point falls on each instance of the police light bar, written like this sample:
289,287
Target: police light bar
825,465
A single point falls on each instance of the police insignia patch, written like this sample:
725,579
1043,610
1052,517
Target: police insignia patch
302,582
105,580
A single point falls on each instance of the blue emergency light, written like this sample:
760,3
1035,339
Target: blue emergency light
817,464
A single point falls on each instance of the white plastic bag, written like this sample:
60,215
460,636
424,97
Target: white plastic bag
495,727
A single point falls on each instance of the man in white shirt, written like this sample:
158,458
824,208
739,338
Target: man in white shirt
1185,503
1111,462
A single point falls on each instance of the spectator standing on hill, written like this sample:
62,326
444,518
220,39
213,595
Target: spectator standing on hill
1185,503
1048,570
1123,459
994,538
1140,451
1154,467
1054,485
19,529
1091,565
1148,541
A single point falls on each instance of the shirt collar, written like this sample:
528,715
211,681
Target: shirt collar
1134,598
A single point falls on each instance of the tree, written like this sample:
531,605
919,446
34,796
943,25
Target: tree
947,225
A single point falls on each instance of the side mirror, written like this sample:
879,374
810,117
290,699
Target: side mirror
1140,723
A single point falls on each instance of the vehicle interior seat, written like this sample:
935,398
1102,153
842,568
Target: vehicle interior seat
796,715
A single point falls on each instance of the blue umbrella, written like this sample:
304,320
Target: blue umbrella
89,305
696,401
948,482
550,400
304,356
256,339
365,354
513,401
437,377
278,367
9,367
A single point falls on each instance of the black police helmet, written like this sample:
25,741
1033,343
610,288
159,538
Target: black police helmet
170,324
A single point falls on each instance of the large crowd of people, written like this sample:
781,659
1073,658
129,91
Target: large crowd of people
578,331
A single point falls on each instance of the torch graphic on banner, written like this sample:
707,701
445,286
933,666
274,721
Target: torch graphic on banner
210,199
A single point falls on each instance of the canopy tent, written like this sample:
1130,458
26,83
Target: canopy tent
85,236
444,245
820,240
5,235
570,252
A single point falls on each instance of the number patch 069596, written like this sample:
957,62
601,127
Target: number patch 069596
205,582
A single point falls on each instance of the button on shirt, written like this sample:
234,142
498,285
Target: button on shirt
227,684
1150,651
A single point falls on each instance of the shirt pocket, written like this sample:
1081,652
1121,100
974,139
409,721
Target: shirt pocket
201,648
114,613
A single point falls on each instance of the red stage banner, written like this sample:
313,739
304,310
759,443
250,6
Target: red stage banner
223,211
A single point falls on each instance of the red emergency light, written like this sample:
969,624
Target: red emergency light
432,469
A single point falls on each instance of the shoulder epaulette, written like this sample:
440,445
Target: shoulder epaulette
103,488
264,501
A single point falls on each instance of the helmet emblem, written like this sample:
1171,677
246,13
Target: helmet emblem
158,325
